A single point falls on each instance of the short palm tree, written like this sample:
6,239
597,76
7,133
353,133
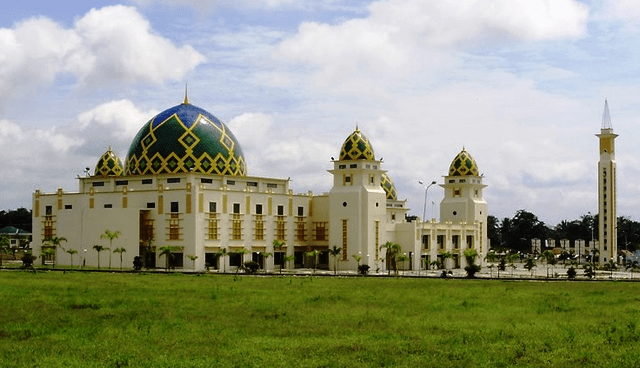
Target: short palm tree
392,250
193,260
108,234
314,255
335,252
56,242
266,256
529,264
550,258
99,248
288,259
167,251
221,254
277,247
120,250
72,252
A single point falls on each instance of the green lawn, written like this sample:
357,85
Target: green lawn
55,319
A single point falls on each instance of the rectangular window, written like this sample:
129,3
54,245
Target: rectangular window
300,211
320,231
213,207
347,178
174,227
280,210
151,205
344,240
206,181
456,192
440,240
301,229
469,241
147,181
122,182
353,166
425,241
236,227
108,205
98,184
236,208
212,226
48,210
258,209
252,183
231,182
235,259
175,207
173,180
259,227
342,167
456,241
68,206
272,185
281,228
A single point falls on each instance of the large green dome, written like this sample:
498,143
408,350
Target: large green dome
357,147
463,165
185,138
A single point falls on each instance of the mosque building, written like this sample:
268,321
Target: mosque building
184,183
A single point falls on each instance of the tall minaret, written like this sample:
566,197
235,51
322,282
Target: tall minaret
607,215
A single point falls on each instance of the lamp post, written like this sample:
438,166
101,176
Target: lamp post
424,214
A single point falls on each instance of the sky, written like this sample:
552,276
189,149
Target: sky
519,84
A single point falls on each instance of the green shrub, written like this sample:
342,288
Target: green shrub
251,267
363,269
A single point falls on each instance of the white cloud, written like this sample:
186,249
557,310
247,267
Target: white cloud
111,45
120,119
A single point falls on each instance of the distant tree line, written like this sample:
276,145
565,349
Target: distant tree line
20,218
516,233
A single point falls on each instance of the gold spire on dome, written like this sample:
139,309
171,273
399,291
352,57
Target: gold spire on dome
186,94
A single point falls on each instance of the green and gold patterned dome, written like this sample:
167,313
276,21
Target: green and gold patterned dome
109,165
463,165
389,187
185,138
357,147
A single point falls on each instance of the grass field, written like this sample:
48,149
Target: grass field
73,319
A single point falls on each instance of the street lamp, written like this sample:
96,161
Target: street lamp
424,209
424,214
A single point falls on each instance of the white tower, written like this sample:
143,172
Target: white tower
607,215
463,202
357,201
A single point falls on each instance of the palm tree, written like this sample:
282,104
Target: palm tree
99,248
512,258
47,252
314,254
445,256
120,250
277,247
266,256
611,265
335,252
167,251
288,258
530,264
470,255
549,257
108,234
402,258
4,246
392,249
55,242
242,251
221,254
357,257
72,252
193,260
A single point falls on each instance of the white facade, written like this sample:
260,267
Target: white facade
201,215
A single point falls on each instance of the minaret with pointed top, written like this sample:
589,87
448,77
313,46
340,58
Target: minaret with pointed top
607,215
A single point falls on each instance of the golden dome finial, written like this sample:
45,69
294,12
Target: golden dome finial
186,94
